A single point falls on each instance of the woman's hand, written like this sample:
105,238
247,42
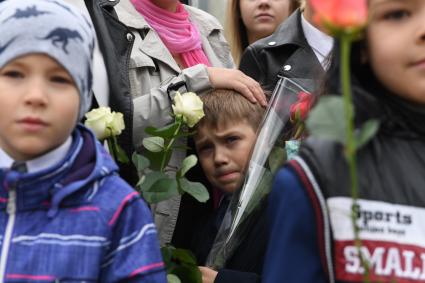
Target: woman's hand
238,81
208,274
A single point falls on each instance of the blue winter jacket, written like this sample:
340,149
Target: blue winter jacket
77,221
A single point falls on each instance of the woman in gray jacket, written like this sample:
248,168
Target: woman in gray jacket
137,42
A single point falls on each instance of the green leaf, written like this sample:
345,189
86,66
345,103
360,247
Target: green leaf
184,256
276,158
166,132
140,162
161,187
188,273
195,189
171,278
188,163
366,132
156,157
140,182
181,263
150,179
154,144
327,119
167,252
121,155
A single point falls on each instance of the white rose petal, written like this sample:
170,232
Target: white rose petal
189,106
117,123
98,120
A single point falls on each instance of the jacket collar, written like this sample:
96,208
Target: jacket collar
84,163
288,33
302,65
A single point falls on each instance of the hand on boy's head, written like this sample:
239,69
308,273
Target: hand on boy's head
222,78
208,274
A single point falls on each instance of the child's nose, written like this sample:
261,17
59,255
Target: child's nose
220,156
36,93
263,2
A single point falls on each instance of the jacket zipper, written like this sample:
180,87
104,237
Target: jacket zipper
11,210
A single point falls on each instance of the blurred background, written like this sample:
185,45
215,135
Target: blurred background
214,7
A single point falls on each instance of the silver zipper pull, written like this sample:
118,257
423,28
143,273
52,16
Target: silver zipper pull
11,203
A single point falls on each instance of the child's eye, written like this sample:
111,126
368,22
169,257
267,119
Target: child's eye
232,139
13,74
204,148
396,15
61,80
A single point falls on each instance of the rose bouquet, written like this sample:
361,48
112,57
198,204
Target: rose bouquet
268,155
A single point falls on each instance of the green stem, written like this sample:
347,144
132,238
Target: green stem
170,144
111,148
299,131
350,146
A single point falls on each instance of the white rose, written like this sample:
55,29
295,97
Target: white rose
117,123
189,106
98,120
104,123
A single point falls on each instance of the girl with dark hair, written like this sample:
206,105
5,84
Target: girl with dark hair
311,206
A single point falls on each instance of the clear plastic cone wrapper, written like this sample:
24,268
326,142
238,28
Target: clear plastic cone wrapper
268,156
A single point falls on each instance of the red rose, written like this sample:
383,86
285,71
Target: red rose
300,109
346,15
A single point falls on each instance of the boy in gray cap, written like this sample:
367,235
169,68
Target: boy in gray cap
65,214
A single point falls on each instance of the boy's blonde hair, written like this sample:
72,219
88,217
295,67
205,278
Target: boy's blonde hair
222,106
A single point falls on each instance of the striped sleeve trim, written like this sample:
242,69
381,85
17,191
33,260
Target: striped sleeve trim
30,277
146,268
61,240
129,241
121,207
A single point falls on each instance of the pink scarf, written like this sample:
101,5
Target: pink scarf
179,35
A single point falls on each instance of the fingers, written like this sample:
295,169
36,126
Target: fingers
256,90
208,274
238,81
251,89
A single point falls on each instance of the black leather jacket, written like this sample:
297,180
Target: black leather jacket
115,42
284,53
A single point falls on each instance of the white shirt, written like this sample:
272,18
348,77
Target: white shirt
40,163
320,42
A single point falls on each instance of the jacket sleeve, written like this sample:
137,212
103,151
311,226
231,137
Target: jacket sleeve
293,252
251,66
231,276
134,254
